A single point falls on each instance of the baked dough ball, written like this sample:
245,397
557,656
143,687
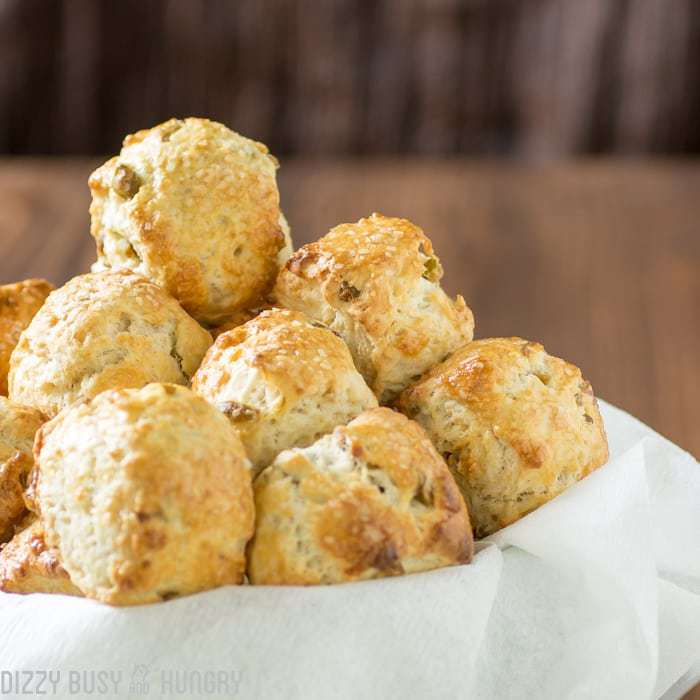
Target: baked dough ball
194,207
107,330
283,381
516,426
29,565
18,425
377,284
372,499
146,494
18,304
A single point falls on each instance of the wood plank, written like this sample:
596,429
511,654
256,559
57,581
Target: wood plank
536,78
598,260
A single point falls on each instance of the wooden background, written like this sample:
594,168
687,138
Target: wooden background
521,78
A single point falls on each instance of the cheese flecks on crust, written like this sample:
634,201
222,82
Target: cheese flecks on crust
194,207
372,499
517,426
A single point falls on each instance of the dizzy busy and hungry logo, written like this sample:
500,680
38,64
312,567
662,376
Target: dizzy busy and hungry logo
144,681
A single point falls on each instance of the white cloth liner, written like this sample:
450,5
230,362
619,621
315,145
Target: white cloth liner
594,595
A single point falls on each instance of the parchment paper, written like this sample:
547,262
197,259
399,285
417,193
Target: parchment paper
594,595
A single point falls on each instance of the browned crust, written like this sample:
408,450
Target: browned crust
399,513
100,331
522,424
29,565
205,222
158,478
19,303
18,426
363,280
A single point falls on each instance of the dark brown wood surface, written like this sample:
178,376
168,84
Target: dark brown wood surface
599,260
523,78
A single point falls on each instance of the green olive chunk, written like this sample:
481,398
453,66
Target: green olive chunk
125,182
431,270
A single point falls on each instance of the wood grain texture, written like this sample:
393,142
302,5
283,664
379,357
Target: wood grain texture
598,260
524,78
